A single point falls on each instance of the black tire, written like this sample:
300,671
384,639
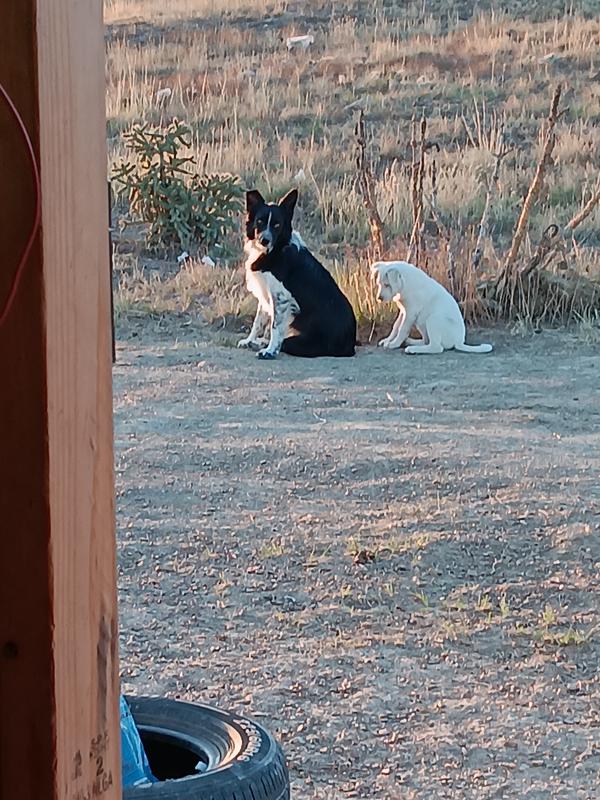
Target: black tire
242,760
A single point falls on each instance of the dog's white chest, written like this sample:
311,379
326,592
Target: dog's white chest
264,285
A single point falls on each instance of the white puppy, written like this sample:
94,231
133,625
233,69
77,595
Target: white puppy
425,305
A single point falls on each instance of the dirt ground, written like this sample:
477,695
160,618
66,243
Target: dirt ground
391,561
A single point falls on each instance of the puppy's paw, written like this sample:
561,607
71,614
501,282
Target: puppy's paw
266,355
245,342
258,345
383,342
412,351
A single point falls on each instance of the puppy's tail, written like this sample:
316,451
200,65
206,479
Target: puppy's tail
474,348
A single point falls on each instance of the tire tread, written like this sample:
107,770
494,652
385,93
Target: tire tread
263,777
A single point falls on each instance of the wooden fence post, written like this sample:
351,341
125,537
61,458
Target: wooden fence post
59,719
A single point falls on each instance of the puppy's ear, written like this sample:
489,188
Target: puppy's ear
376,269
396,280
288,203
254,199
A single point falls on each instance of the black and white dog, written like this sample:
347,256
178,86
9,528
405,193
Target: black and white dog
308,314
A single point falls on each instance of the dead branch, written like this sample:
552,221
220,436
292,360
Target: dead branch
367,187
451,269
492,187
442,229
419,149
550,244
583,214
554,241
433,207
521,227
413,187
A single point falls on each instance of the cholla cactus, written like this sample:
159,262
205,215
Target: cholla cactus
185,209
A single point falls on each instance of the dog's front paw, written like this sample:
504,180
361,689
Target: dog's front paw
258,345
266,354
383,342
412,351
252,344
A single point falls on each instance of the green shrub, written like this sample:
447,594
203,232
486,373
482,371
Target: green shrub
184,208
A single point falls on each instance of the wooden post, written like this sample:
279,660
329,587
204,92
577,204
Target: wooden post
59,731
111,272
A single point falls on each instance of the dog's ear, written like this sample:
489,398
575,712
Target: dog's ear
395,280
254,199
380,271
288,203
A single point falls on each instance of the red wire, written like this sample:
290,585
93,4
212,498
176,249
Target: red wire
38,208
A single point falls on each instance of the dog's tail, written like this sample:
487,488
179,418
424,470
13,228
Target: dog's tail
474,348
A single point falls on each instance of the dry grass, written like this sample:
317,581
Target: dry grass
268,115
217,295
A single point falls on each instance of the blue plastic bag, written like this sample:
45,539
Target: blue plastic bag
135,769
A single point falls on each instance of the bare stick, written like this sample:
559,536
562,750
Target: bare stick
492,186
534,188
418,177
547,248
584,213
413,187
553,241
443,231
366,184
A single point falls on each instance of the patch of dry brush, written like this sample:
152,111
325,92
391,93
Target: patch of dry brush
449,165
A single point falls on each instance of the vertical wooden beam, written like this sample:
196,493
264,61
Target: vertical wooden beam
59,732
111,273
